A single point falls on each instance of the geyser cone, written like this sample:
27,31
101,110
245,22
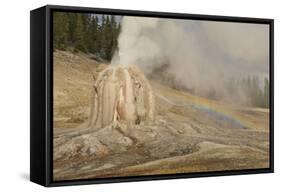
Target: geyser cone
121,94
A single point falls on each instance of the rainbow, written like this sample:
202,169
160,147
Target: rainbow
214,109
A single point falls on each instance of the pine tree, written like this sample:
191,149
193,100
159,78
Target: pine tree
98,37
108,38
79,33
86,40
72,20
92,34
266,92
103,38
115,34
60,30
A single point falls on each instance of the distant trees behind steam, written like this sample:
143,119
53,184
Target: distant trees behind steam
248,91
87,33
257,95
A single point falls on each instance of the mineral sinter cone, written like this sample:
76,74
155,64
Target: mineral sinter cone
123,94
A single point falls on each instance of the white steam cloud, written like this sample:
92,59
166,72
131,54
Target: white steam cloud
200,54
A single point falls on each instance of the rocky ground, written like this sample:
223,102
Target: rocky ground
190,134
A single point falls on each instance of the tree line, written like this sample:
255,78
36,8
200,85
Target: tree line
256,95
87,33
247,90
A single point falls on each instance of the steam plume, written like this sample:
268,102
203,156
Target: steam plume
200,55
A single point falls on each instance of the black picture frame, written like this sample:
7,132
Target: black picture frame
41,94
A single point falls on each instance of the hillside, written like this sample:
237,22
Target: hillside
189,134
